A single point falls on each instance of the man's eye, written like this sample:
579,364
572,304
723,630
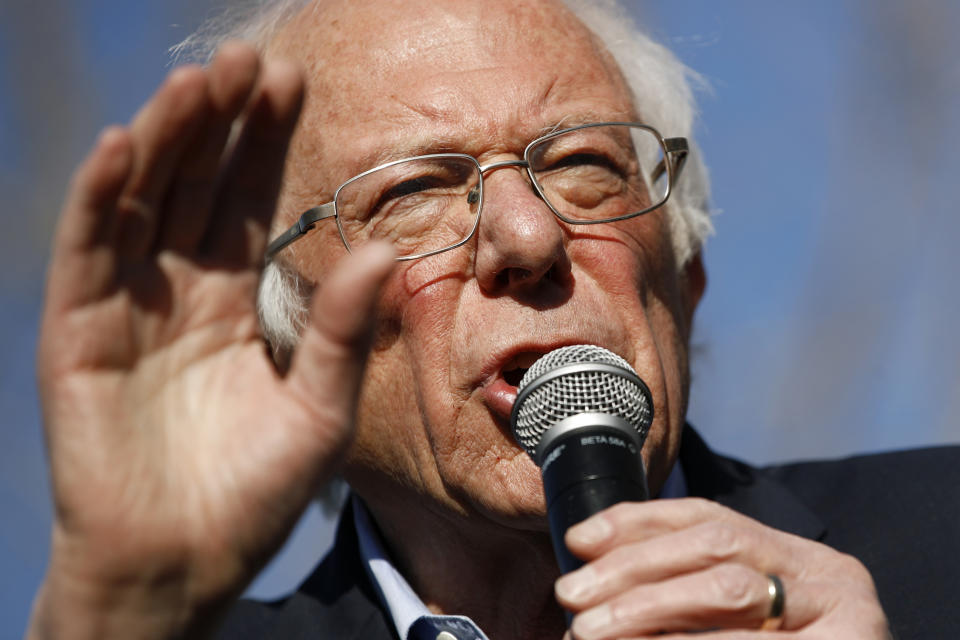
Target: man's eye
411,186
579,160
417,188
413,195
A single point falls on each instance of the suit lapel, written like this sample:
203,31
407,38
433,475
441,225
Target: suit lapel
745,489
337,601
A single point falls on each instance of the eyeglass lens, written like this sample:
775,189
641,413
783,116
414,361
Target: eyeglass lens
418,205
598,173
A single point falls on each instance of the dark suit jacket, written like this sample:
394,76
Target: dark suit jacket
898,513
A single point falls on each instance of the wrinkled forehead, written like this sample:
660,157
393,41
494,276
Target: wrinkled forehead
382,72
390,33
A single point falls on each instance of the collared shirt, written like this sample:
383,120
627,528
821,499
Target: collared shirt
411,618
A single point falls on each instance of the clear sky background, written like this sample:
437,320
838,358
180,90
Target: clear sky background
832,129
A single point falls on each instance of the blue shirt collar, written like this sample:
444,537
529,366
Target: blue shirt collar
411,618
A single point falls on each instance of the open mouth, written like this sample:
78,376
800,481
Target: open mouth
514,376
514,370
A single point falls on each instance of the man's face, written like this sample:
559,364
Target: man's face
412,77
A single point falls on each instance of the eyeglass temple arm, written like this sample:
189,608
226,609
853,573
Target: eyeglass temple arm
678,148
304,223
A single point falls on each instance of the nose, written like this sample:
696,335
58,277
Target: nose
521,246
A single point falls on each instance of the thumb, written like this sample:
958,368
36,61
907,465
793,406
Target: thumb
328,363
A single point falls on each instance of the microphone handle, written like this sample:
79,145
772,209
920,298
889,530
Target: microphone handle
586,470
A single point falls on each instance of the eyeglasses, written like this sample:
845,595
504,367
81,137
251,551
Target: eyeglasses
590,174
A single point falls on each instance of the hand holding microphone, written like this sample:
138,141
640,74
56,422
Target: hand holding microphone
634,568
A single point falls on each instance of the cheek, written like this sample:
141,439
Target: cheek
433,292
635,267
404,371
628,259
316,254
416,314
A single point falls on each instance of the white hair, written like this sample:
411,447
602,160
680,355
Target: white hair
662,88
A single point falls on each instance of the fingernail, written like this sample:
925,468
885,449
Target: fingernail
576,586
591,623
590,532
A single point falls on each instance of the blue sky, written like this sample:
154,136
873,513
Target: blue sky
829,324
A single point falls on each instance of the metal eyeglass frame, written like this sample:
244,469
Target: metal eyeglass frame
674,149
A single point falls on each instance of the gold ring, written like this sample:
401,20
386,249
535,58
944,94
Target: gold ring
774,619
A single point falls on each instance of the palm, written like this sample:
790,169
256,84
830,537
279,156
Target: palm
173,439
174,400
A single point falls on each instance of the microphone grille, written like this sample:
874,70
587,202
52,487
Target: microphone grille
562,384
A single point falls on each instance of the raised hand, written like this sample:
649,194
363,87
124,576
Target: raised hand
675,566
180,456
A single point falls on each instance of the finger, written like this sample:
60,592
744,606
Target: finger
722,635
247,195
727,596
628,522
232,77
328,363
676,553
82,263
161,131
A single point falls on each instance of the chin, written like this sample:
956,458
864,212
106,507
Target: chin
509,493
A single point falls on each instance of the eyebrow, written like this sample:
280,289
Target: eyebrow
422,147
585,117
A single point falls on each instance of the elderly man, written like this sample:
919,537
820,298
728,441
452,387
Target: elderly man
498,228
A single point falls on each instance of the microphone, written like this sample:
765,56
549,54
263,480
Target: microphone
582,413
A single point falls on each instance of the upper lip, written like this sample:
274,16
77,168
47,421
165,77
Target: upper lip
505,357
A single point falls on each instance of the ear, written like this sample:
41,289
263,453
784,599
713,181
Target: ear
693,282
